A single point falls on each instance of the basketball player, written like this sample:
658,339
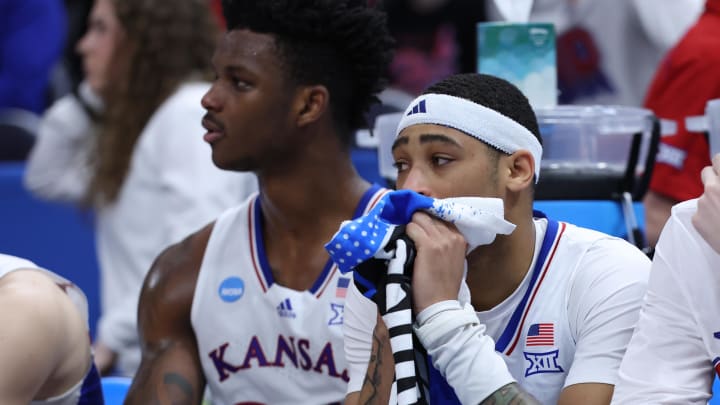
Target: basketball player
250,306
44,342
552,305
675,349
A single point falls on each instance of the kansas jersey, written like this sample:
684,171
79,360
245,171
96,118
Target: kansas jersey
260,342
87,391
569,320
676,345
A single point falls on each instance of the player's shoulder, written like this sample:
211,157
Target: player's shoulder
176,268
34,293
605,259
27,282
592,240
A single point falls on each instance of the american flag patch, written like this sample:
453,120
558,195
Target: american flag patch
541,334
342,286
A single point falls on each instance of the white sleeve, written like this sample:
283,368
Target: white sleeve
667,360
461,351
360,316
603,307
57,168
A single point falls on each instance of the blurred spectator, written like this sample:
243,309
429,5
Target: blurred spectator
130,145
70,73
607,51
685,82
32,34
435,38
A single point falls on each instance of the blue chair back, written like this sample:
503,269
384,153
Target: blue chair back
115,389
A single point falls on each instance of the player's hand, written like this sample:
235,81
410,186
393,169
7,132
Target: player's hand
707,218
439,261
104,358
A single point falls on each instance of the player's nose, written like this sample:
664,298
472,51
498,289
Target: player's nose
417,181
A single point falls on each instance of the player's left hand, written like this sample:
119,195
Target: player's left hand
439,261
707,218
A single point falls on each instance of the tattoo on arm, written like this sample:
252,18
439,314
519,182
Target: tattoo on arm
373,377
179,390
510,394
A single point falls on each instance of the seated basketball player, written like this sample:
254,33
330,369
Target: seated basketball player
675,349
45,355
551,306
250,306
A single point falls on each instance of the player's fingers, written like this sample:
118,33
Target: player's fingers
705,174
716,163
425,227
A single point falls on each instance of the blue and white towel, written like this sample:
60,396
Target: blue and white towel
376,248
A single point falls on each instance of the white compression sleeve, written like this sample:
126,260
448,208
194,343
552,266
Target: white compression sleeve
460,350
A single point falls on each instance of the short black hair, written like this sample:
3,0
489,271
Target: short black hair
491,92
342,44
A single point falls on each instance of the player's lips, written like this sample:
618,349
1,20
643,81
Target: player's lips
215,130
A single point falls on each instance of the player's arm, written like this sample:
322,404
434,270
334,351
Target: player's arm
586,393
449,331
170,371
36,316
377,384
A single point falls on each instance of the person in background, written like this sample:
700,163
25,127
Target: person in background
45,348
130,147
675,349
607,53
686,80
434,39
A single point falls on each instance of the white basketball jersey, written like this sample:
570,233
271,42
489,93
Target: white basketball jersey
537,341
260,342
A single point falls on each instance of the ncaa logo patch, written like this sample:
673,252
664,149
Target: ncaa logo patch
540,363
231,289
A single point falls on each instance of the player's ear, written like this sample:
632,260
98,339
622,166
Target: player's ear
310,103
520,169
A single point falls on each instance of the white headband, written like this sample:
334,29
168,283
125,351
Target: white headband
475,120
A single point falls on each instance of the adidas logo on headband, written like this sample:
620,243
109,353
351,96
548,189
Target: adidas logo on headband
475,120
418,108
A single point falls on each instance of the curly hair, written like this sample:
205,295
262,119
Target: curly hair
166,42
491,92
342,44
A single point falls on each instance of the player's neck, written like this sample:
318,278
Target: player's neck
300,214
309,195
495,271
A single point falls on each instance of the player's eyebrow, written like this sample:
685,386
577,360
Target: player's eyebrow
427,138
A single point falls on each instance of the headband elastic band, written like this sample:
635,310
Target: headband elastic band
476,120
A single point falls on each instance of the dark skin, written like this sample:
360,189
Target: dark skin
285,134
